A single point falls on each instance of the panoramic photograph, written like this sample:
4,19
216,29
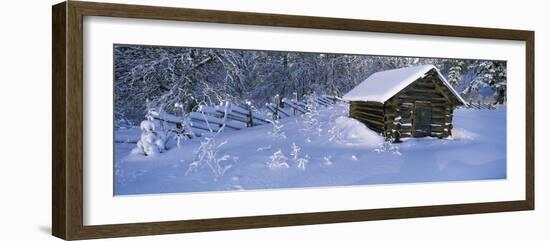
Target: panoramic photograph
190,119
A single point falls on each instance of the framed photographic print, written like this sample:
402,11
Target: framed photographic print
171,120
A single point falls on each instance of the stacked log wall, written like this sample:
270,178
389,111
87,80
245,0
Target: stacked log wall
369,113
399,110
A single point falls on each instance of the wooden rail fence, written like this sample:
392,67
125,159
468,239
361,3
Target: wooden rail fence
234,117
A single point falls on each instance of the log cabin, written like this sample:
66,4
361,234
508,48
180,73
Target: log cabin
408,102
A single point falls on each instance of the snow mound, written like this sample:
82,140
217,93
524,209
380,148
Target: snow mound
350,131
462,134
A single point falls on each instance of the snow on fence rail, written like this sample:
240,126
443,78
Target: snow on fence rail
233,117
478,106
301,107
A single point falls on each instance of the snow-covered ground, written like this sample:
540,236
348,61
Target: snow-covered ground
324,148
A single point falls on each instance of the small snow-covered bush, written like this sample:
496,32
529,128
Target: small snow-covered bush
278,160
462,134
312,124
300,161
295,151
327,160
207,156
389,147
152,140
264,148
277,130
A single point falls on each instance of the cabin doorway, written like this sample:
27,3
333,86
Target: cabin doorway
422,118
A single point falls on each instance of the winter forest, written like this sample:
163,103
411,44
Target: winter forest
203,119
159,77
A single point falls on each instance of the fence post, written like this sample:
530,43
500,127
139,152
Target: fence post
227,109
250,122
276,113
296,100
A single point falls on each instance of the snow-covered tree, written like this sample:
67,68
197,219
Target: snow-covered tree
152,140
485,78
455,73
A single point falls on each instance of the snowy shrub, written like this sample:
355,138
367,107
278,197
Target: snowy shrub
277,129
120,174
389,147
278,160
152,140
264,148
301,162
207,156
295,153
340,109
335,134
327,160
462,134
312,124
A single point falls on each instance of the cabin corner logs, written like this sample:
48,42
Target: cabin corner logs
422,108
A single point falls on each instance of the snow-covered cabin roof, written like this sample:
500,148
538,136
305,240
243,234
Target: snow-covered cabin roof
383,85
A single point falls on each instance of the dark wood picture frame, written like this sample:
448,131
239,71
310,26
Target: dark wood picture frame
67,137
